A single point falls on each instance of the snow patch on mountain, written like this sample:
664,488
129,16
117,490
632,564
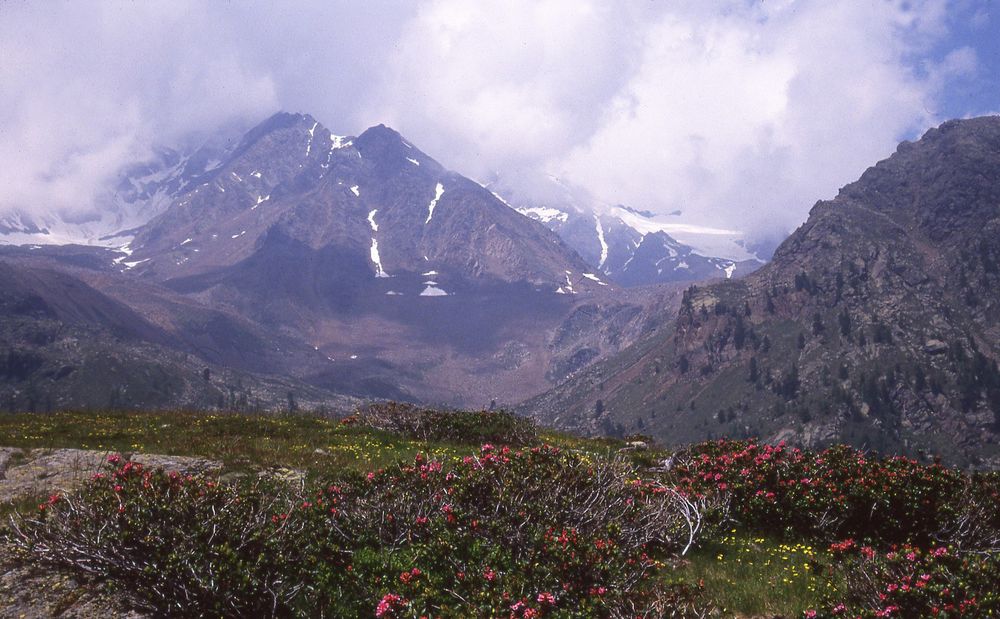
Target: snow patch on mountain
543,214
604,243
595,278
310,142
433,291
438,192
376,259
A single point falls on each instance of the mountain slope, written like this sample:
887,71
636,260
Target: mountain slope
875,323
66,344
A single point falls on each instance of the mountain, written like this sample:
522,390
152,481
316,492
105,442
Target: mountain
875,323
390,210
632,247
352,266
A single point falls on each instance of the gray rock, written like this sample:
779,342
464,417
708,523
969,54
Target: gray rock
33,593
935,347
181,464
47,471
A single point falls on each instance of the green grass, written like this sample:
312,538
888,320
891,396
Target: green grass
241,442
21,504
755,576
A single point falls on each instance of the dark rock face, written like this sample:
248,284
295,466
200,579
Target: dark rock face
875,323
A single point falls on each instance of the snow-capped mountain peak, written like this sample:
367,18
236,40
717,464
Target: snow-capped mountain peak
633,247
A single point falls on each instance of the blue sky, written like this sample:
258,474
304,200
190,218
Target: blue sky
976,25
738,113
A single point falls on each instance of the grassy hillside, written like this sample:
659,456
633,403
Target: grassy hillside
400,512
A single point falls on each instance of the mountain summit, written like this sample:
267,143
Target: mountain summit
377,201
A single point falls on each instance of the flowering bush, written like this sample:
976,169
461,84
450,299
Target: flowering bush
521,533
844,493
909,582
507,528
183,543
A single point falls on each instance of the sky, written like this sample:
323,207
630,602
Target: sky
739,113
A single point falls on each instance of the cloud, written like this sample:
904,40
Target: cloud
738,113
90,88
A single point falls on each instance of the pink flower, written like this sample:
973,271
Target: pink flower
389,603
546,598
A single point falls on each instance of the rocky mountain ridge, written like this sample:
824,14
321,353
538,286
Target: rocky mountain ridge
875,323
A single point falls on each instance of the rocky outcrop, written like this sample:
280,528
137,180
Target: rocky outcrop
26,473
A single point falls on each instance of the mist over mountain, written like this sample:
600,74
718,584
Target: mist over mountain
659,106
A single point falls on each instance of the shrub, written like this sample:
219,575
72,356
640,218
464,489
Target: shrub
469,427
909,582
844,493
183,545
521,533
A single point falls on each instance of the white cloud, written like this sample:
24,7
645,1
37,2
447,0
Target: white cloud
739,113
494,83
746,118
92,87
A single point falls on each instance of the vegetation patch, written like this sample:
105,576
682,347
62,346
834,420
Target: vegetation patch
390,522
475,427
